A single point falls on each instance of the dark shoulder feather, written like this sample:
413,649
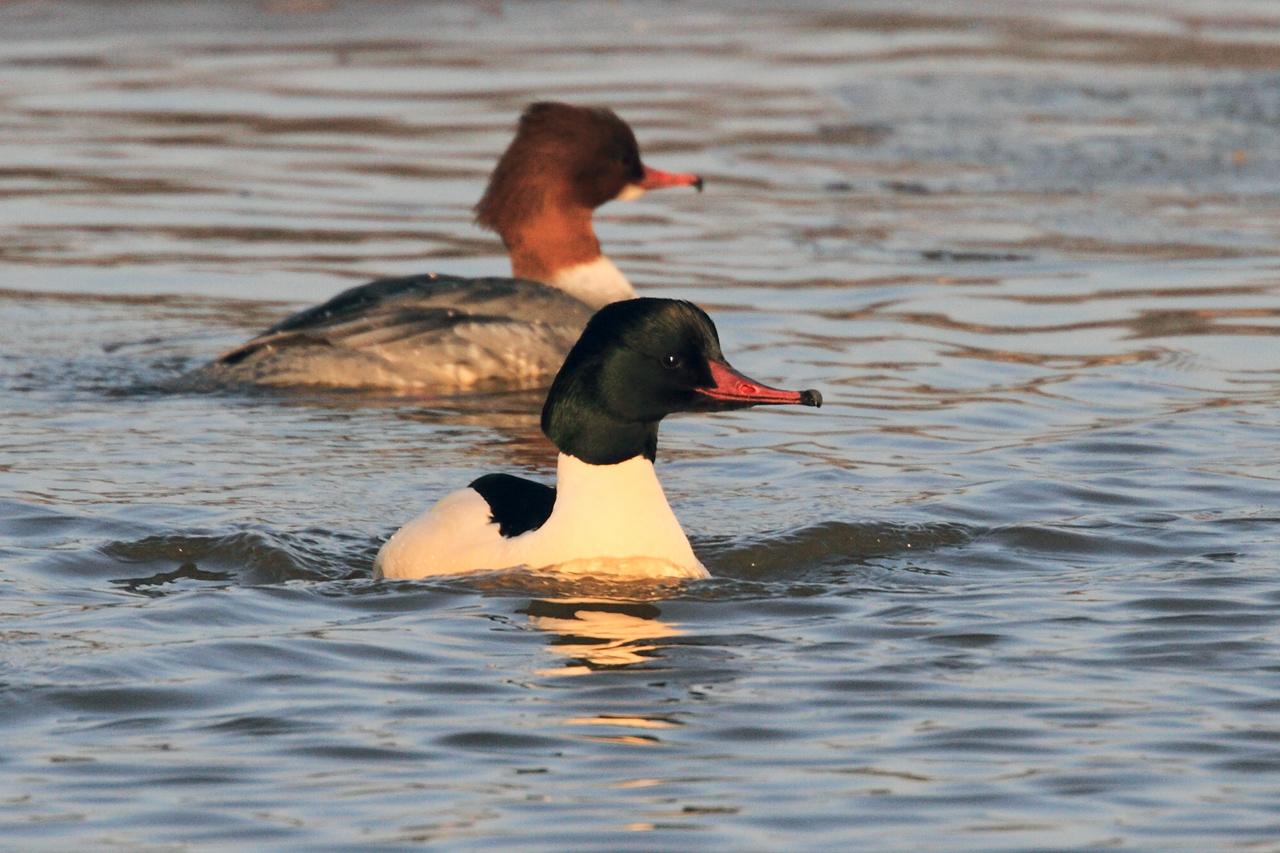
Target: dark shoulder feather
516,505
435,291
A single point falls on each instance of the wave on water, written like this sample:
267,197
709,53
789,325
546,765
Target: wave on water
822,547
161,563
245,557
803,562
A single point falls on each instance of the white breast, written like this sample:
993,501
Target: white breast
606,517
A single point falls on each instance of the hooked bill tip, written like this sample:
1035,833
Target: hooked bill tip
697,183
811,397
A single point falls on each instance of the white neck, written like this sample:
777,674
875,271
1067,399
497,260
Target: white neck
596,283
615,512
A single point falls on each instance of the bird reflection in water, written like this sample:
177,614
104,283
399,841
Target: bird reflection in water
593,635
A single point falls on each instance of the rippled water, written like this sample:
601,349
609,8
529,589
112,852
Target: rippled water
1014,587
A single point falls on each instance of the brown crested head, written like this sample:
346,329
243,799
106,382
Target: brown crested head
563,155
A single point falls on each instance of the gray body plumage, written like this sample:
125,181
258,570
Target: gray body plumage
419,333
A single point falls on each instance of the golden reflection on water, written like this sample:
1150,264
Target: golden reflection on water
595,635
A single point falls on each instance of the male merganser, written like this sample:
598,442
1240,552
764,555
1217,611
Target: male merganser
444,333
635,363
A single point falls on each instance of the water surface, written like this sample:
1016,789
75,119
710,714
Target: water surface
1014,587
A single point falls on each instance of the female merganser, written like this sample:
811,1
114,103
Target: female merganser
635,363
441,333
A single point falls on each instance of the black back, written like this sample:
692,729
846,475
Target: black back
516,505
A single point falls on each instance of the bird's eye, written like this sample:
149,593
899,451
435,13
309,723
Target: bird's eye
671,362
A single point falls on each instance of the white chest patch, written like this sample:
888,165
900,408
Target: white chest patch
610,519
630,192
596,283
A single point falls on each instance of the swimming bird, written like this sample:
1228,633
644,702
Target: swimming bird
636,362
441,333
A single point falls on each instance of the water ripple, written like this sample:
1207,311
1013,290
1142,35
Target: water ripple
1013,588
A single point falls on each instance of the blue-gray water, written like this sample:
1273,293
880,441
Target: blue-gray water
1014,587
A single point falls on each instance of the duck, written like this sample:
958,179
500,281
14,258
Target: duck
636,362
443,334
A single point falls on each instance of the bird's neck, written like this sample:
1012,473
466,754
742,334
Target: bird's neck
559,247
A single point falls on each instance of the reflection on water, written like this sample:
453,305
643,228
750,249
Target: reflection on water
1015,588
596,635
